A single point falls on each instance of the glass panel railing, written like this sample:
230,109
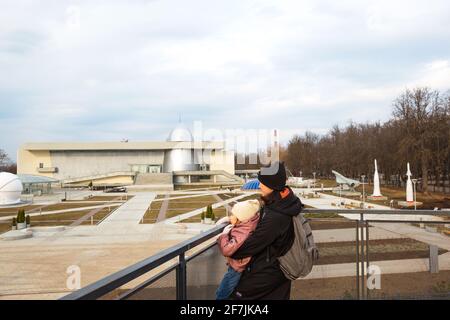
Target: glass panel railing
162,289
204,274
413,265
334,275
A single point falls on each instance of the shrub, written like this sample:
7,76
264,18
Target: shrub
14,222
213,217
203,215
21,216
347,296
28,219
209,212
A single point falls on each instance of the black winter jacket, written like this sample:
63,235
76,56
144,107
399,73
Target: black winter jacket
272,238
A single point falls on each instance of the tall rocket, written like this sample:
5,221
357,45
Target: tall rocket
409,186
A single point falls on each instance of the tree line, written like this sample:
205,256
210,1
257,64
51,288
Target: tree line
417,132
6,165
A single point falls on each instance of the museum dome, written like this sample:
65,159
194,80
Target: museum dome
10,188
180,133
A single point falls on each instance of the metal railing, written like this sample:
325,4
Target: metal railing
114,281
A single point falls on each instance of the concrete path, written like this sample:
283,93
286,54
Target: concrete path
387,267
325,202
130,213
163,209
409,231
342,235
187,196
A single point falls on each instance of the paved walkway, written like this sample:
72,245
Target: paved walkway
188,196
342,235
163,209
325,202
130,213
409,231
387,267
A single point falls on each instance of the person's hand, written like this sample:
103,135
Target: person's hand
223,220
227,229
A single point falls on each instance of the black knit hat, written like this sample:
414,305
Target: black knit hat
273,176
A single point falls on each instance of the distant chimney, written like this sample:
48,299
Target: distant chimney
275,138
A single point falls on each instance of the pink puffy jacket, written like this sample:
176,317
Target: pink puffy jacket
230,243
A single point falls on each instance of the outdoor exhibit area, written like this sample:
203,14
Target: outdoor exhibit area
115,231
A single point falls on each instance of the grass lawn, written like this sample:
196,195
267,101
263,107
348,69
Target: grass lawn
180,206
60,219
68,218
326,183
218,213
5,226
153,211
52,207
13,211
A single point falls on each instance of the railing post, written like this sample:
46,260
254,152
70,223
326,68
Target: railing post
434,259
181,278
367,258
363,274
357,259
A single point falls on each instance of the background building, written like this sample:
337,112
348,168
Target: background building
179,160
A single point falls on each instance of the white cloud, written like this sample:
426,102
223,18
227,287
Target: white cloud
104,70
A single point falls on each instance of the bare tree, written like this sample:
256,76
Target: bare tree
419,133
4,160
416,111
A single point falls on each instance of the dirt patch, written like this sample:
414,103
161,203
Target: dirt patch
419,285
393,286
327,225
13,211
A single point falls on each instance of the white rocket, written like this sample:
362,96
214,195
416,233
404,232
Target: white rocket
409,187
376,182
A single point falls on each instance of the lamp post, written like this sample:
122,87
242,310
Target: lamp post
314,181
364,192
414,181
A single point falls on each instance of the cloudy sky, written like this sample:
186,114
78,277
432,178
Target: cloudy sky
108,70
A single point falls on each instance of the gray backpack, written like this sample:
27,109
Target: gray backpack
299,260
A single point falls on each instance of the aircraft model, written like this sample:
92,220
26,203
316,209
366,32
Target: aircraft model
298,182
349,183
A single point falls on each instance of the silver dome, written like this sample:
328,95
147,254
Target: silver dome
180,133
180,159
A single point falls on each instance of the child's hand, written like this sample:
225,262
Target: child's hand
227,229
223,220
